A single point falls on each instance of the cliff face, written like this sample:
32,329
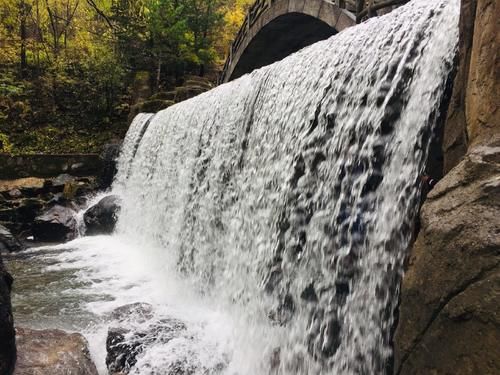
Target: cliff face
7,334
449,313
472,114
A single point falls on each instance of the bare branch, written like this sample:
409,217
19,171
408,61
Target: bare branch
100,12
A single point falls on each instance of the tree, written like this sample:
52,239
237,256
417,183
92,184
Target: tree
169,35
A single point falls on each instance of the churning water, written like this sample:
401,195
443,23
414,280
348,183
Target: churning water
271,216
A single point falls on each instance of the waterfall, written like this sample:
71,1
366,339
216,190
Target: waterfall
290,193
273,214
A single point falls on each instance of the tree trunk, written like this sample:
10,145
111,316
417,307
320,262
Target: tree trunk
23,14
158,73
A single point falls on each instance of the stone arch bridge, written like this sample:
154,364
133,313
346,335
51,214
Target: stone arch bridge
273,29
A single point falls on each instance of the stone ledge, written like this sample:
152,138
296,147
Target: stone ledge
43,165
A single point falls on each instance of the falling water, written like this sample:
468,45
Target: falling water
272,214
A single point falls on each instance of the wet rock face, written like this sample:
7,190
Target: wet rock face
138,312
101,218
472,116
7,334
8,242
137,329
124,344
56,224
54,352
449,304
121,351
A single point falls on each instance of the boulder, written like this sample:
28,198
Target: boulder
124,344
449,317
7,334
54,352
139,312
56,224
8,242
101,218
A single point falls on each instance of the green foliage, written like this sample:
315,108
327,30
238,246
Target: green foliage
5,146
68,67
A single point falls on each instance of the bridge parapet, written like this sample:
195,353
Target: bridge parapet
345,13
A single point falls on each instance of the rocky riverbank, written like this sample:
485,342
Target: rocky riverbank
42,208
34,210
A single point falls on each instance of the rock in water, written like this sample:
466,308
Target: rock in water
56,224
54,352
7,334
124,344
8,242
138,312
101,218
122,352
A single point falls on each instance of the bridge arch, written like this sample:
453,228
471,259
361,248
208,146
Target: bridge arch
273,29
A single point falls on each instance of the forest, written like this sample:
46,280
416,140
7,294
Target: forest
70,70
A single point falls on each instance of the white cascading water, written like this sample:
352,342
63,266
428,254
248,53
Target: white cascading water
271,215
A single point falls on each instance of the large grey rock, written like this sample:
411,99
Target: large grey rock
101,218
449,313
54,352
8,242
56,224
138,312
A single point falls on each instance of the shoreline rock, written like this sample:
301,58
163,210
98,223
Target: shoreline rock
22,200
101,218
9,242
56,224
124,344
52,351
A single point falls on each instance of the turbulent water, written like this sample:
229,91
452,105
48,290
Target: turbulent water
272,214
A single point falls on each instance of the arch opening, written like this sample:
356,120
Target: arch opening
281,37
